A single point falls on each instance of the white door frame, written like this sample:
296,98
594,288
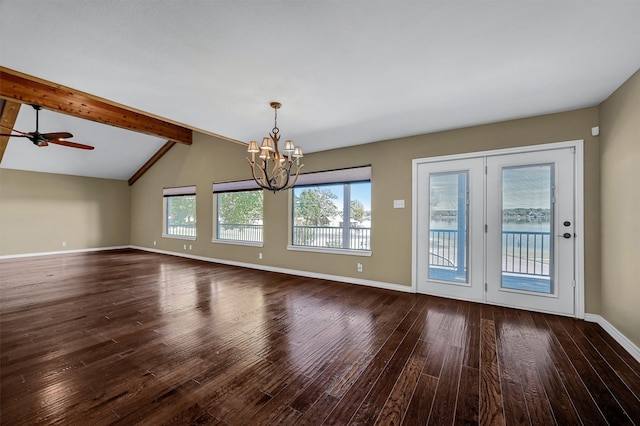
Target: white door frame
578,145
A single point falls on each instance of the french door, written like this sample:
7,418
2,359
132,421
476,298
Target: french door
499,229
450,241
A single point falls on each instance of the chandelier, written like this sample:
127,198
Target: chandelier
275,170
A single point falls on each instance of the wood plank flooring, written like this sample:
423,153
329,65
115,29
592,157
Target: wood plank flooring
128,337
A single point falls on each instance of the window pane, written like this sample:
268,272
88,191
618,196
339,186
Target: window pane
333,216
448,218
527,220
181,215
240,216
360,216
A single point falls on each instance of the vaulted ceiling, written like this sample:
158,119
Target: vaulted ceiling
347,72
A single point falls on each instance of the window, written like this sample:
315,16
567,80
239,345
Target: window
332,210
240,216
238,208
180,212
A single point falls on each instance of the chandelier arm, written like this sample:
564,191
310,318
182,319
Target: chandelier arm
267,181
255,178
253,173
275,137
271,181
264,182
276,166
253,170
286,182
295,179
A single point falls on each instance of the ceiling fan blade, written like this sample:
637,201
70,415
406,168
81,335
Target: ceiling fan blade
70,144
14,130
58,135
14,136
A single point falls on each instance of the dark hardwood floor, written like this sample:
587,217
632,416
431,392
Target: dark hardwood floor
126,337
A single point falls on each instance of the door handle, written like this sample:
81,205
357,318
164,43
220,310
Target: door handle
565,235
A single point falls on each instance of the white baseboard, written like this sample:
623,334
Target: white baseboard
613,332
350,280
48,253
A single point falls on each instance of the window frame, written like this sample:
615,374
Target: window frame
175,192
229,187
349,176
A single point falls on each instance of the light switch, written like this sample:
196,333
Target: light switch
398,204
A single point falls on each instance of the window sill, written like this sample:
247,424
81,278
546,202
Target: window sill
348,252
239,243
179,237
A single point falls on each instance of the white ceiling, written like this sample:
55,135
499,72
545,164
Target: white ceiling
347,72
117,153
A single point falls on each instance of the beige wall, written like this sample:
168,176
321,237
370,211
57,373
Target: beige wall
620,208
210,159
38,211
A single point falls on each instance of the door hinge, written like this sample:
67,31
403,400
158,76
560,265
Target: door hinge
486,170
573,282
486,287
486,228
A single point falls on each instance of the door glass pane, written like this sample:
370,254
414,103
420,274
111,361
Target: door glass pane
448,219
527,223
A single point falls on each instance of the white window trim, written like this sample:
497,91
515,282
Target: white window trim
179,237
237,242
348,252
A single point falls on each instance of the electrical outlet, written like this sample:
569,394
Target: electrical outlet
190,246
185,247
154,242
259,255
64,244
359,267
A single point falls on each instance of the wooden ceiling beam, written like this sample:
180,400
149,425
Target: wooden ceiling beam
158,155
8,117
22,88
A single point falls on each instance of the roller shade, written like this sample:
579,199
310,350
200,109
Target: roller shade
353,174
178,191
235,186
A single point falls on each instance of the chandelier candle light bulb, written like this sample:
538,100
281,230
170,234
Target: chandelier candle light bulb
275,170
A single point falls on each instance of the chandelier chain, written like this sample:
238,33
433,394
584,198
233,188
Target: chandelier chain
275,122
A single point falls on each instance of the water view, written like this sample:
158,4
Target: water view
526,227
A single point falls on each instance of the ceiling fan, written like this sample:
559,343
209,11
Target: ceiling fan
44,139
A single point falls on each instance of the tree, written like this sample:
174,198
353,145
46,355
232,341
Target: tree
240,207
357,211
315,207
182,209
